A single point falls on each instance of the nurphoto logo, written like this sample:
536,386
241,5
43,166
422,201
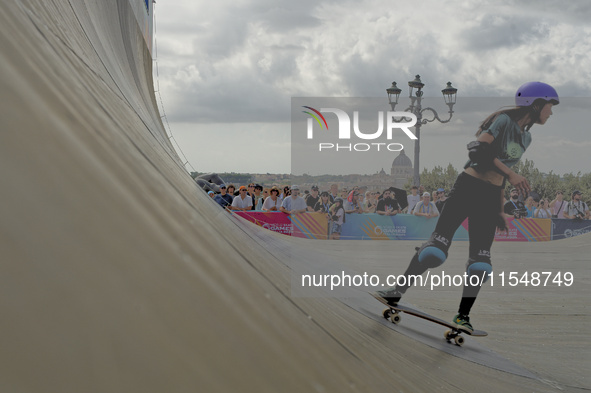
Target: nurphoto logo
394,121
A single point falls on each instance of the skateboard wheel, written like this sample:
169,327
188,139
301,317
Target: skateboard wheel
395,318
386,313
459,340
447,335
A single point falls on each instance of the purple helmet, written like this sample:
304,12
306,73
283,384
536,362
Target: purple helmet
530,91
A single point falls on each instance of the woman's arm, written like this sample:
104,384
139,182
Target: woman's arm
515,179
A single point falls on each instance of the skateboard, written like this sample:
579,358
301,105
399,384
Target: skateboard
454,333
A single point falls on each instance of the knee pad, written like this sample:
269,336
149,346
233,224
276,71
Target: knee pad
480,269
432,256
434,252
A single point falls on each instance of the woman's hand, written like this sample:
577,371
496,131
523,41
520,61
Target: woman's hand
520,183
502,223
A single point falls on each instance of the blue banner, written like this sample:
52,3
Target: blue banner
410,227
564,228
377,227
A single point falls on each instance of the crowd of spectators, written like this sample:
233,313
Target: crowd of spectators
358,200
575,209
338,203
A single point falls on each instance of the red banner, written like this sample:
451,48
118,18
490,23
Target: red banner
305,225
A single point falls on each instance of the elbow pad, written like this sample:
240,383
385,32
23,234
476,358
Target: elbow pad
481,153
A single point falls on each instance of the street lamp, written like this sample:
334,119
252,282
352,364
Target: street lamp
416,86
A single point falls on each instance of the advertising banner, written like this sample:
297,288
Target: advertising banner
305,225
519,230
563,229
377,227
408,227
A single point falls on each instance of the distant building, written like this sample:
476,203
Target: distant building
400,174
401,170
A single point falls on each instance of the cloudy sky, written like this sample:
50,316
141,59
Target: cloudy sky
228,71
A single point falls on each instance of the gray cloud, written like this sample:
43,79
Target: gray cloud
494,32
243,63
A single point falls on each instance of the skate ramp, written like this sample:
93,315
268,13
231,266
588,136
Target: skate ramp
118,274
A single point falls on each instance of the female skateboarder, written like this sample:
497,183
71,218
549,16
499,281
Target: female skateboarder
478,194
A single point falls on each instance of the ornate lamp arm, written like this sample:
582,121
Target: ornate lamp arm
436,116
402,119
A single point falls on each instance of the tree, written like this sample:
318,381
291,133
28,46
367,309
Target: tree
579,182
438,177
535,178
544,184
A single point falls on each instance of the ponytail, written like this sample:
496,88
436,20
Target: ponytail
516,114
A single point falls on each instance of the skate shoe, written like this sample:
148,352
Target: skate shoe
390,296
463,323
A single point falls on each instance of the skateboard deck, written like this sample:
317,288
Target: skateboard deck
454,333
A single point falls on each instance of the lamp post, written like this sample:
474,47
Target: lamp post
449,95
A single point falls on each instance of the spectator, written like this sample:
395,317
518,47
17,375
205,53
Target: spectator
369,203
435,195
211,194
352,205
577,209
223,198
272,203
251,195
387,206
413,198
293,204
536,202
334,192
558,206
265,193
337,219
284,194
529,205
232,190
543,211
258,200
442,199
426,208
242,202
514,207
362,193
250,189
313,199
323,205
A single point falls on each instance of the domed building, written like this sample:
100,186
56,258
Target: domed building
400,174
401,170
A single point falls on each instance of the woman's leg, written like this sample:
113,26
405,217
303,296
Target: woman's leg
482,230
482,225
434,252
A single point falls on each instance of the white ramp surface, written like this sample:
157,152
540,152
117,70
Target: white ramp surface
118,275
